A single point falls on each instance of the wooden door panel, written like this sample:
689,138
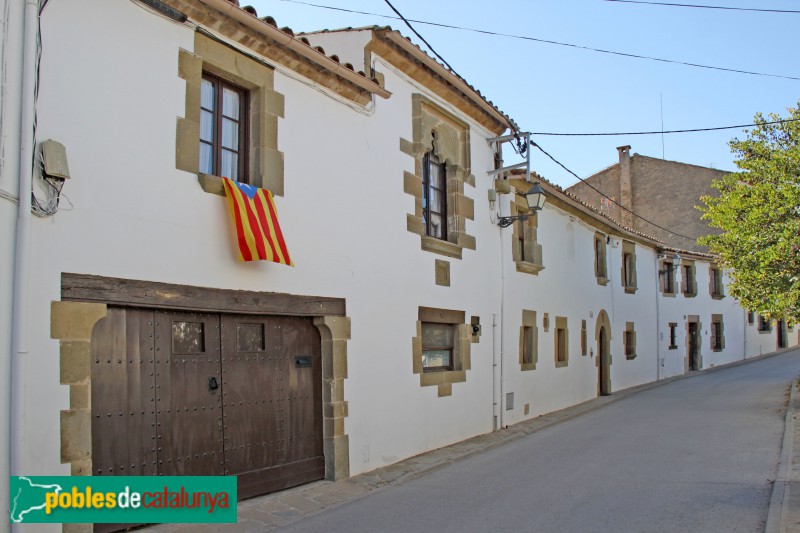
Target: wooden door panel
122,394
270,422
123,397
188,408
302,341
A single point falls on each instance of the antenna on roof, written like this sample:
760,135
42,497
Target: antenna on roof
661,98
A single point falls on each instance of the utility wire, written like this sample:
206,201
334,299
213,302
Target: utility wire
547,41
706,7
783,121
520,147
601,193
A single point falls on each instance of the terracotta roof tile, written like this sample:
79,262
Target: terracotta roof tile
390,29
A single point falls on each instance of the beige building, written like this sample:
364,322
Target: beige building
665,193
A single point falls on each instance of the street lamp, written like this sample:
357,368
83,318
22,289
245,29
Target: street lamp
535,197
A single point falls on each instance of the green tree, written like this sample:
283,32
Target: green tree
758,211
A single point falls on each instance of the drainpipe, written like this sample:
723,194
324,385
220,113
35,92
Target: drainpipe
501,403
14,365
658,324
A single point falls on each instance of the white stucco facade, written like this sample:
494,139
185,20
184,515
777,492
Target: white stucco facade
131,214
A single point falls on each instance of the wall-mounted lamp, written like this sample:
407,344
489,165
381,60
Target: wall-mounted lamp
676,262
535,197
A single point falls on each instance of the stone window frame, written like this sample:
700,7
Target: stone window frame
717,339
629,341
451,143
528,328
751,318
716,288
265,168
673,336
561,325
688,278
462,340
85,300
628,273
666,274
529,259
601,258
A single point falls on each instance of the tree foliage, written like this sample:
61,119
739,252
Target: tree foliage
758,211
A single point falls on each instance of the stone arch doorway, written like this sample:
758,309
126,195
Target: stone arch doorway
602,334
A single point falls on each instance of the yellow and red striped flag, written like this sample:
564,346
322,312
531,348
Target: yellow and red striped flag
256,220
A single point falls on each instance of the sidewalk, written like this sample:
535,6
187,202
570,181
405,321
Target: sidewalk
282,508
784,507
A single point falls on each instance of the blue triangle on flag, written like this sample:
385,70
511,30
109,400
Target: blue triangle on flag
249,190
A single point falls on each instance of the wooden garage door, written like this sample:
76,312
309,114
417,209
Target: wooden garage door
207,394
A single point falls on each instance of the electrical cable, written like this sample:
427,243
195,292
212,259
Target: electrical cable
49,206
666,131
669,4
520,147
601,193
556,43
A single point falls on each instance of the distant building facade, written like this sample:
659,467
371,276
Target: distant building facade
663,192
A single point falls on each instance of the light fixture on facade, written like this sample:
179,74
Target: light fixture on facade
535,197
676,262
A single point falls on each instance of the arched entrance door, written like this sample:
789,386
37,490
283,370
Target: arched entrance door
603,338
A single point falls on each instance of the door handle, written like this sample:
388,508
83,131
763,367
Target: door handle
212,383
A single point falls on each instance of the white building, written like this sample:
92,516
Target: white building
393,334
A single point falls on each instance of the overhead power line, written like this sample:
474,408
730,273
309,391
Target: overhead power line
612,200
706,7
520,147
665,131
556,43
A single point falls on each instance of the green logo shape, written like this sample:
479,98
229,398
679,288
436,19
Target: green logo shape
123,499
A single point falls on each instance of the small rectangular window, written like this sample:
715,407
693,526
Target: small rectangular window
673,333
250,337
751,318
583,337
764,325
629,266
437,346
667,274
528,341
689,285
715,285
717,333
629,340
528,345
600,270
561,341
188,337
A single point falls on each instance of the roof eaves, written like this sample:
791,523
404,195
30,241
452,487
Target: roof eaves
286,37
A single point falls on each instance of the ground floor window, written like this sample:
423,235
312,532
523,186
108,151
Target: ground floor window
717,333
561,342
437,346
673,333
629,340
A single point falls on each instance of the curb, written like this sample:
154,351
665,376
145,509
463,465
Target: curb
779,501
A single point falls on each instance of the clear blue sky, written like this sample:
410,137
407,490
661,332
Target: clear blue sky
549,88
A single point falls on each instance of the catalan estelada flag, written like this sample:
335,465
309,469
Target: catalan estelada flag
256,220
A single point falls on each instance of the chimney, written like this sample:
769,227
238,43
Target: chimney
625,186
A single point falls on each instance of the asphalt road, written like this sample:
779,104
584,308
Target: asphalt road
693,455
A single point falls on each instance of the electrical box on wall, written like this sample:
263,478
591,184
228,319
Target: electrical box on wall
54,156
